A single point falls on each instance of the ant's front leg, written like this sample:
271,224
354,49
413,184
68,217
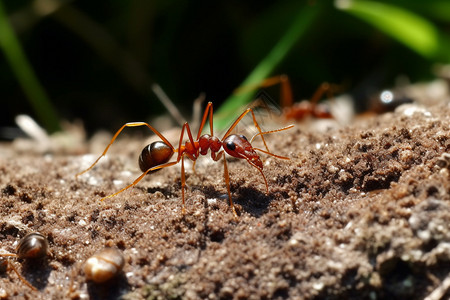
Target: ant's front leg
226,176
183,185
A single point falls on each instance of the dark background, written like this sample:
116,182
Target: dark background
96,59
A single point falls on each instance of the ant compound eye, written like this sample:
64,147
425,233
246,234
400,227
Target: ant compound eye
231,146
243,137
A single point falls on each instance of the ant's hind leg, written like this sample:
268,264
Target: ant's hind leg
132,124
286,95
140,177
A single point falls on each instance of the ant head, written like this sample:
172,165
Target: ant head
238,146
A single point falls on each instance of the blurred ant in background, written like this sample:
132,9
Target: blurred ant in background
299,110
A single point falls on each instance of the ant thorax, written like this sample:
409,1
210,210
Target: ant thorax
207,141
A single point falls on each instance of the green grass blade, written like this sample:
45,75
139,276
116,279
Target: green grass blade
299,26
25,75
412,30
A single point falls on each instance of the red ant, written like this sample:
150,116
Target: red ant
156,155
299,110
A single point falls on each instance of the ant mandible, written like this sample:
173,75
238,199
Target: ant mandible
156,155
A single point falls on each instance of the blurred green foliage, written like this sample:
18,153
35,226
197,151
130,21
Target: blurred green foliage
25,75
97,59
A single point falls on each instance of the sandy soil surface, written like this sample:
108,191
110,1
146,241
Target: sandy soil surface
360,211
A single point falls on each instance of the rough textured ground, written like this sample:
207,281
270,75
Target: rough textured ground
360,211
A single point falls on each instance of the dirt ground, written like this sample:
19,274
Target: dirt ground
360,211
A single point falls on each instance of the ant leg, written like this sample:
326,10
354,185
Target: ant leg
183,184
196,111
287,98
209,108
140,177
322,111
132,124
286,95
182,151
254,122
193,167
322,89
226,176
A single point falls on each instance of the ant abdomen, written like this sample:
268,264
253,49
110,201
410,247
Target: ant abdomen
154,154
